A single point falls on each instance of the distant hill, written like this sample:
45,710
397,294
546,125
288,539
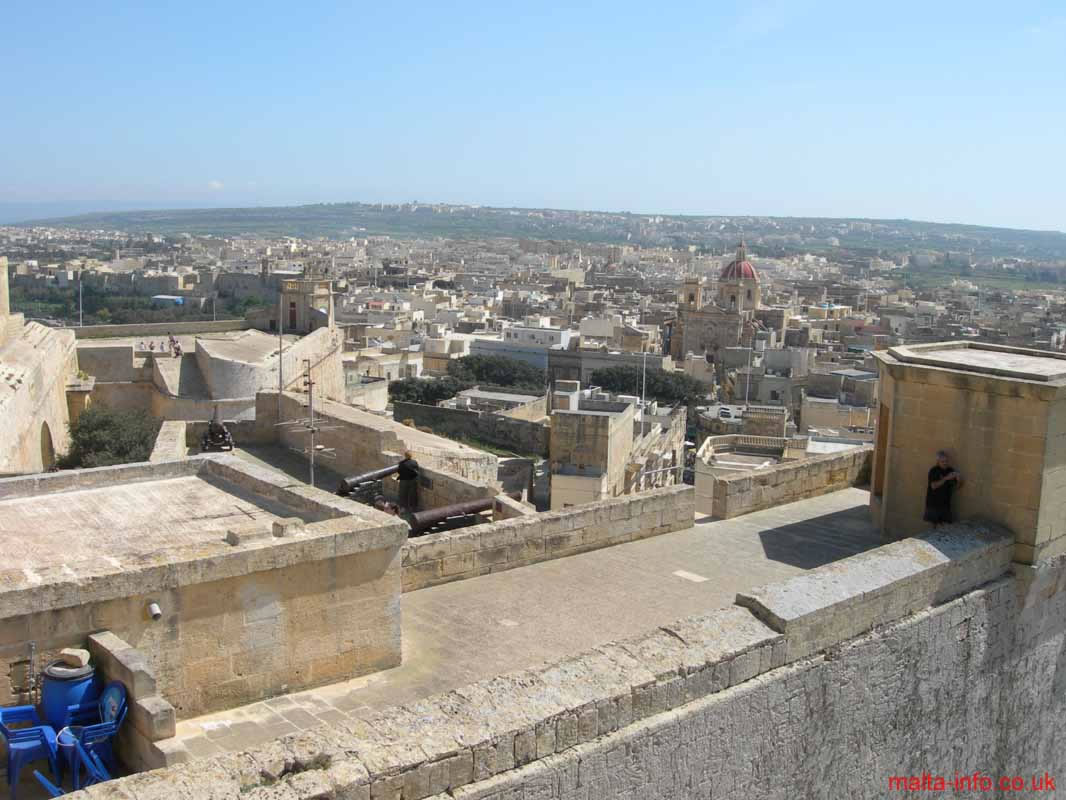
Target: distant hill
772,234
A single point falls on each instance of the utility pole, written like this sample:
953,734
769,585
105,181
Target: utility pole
308,424
310,384
281,351
643,384
747,381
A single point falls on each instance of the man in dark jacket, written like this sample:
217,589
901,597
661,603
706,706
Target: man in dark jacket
942,481
408,475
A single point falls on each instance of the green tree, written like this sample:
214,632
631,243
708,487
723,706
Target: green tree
425,391
666,387
498,371
102,436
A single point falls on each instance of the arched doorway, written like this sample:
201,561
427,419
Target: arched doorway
48,451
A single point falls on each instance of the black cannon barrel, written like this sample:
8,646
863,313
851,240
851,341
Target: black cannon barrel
348,485
423,520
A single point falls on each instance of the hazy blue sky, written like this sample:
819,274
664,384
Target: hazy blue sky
934,110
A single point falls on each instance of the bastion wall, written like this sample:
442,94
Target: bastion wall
246,613
930,655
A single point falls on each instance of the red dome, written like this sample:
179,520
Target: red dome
739,269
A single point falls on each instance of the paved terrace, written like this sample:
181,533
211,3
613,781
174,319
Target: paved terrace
467,631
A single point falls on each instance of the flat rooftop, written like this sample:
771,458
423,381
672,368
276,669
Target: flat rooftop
70,527
471,630
988,359
251,346
123,521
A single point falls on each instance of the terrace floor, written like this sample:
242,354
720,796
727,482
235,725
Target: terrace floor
471,630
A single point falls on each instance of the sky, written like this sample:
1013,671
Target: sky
942,111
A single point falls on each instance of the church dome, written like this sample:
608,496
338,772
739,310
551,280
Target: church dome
739,269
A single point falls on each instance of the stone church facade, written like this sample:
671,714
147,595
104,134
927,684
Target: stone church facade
707,321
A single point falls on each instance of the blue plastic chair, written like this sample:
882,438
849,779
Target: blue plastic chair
32,742
51,788
87,760
96,738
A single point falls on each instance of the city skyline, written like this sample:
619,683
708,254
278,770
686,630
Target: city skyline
945,114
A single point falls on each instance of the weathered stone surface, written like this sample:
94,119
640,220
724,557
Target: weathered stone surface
440,558
74,656
837,601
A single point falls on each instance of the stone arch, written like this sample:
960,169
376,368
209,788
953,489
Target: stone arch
48,450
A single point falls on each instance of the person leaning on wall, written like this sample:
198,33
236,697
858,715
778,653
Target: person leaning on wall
941,483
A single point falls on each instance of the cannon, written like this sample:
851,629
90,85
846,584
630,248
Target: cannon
349,485
217,436
421,521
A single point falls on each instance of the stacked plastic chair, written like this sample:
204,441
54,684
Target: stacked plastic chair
32,742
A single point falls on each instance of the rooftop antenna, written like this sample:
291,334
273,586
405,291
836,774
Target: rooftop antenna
281,348
308,424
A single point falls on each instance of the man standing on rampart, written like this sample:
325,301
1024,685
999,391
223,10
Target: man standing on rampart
408,475
943,480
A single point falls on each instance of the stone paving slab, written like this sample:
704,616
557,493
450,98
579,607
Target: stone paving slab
467,631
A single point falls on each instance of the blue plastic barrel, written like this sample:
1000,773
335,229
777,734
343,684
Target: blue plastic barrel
63,686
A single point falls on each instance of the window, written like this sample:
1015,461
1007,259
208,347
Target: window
749,294
692,298
732,301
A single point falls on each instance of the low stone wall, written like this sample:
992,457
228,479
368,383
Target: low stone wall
362,441
480,549
437,488
147,740
511,433
170,442
729,496
158,328
682,713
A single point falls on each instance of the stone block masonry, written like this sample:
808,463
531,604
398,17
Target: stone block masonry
158,329
481,549
362,441
974,683
524,436
147,740
244,616
730,496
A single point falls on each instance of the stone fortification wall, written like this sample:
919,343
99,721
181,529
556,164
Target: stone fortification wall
170,442
511,433
363,441
245,616
158,329
468,552
36,363
729,496
725,705
231,377
532,411
437,488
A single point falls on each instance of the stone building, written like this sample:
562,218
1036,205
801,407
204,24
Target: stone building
40,389
603,446
706,323
1000,413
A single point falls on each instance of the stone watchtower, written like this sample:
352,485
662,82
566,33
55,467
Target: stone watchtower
1000,413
